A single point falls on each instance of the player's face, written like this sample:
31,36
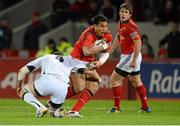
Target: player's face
124,14
101,28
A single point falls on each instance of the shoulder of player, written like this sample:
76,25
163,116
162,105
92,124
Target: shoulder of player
132,24
88,34
88,31
48,56
131,27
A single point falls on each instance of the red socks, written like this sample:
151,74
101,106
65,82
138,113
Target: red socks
117,91
141,90
70,92
84,98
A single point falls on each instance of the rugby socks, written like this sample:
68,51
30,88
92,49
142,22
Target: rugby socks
30,99
117,91
84,98
141,90
70,92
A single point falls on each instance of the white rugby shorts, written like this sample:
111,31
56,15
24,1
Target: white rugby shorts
125,60
50,85
77,64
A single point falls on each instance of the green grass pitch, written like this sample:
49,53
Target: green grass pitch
17,112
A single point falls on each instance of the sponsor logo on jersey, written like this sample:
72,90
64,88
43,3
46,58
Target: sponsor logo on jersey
122,28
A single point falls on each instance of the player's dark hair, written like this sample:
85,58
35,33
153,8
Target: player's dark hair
58,53
99,18
127,6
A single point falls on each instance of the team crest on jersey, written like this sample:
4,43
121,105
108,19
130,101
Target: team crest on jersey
133,35
123,29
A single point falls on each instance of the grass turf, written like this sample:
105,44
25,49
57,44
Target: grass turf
17,112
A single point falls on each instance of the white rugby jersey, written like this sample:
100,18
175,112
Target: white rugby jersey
51,64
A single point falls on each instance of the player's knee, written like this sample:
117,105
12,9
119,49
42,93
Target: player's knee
93,87
79,85
112,81
79,88
115,82
93,90
135,82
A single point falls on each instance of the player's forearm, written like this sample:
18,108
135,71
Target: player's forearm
21,74
114,44
93,50
20,83
137,49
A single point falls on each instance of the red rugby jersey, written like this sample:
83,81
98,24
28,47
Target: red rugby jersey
128,32
87,38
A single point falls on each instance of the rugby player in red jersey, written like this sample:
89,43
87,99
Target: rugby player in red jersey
129,40
85,52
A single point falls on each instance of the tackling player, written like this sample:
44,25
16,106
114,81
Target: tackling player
84,51
129,40
53,82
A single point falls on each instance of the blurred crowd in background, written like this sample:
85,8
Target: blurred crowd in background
161,12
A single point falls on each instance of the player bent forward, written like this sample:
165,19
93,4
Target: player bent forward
53,82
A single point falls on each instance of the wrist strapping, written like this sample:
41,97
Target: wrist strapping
103,57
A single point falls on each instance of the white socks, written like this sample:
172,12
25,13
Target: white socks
30,99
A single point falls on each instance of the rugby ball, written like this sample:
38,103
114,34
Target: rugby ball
98,43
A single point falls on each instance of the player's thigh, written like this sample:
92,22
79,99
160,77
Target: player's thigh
93,86
135,80
46,84
78,81
116,79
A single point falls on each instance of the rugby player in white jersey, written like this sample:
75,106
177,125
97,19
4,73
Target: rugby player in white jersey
53,82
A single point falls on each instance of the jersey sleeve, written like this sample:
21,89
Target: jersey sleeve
36,63
133,33
88,40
